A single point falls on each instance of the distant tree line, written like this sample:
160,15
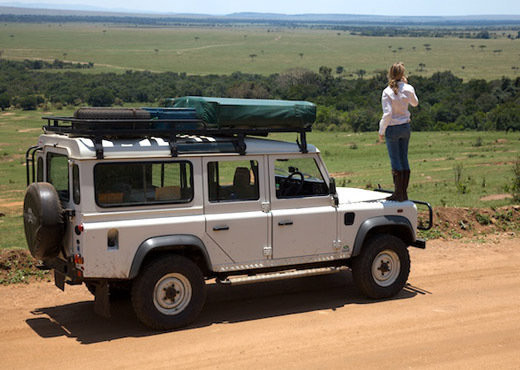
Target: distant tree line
30,64
446,102
435,27
466,33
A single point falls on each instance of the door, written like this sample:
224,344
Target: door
64,176
235,219
303,215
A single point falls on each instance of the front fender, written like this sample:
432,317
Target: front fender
396,225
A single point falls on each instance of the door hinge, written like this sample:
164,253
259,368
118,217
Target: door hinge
266,207
268,251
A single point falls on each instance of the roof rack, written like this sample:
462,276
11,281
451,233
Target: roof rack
168,129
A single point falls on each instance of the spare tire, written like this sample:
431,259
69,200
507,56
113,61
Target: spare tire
111,113
43,220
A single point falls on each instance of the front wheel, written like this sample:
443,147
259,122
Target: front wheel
382,268
169,293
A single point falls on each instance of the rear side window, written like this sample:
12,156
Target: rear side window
131,184
233,181
58,174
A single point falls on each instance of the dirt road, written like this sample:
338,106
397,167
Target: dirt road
461,310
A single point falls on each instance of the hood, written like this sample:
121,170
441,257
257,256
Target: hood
354,195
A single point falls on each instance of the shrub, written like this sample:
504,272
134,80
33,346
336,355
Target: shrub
5,101
100,97
515,188
28,102
459,182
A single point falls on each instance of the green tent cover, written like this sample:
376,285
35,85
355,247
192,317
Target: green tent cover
250,113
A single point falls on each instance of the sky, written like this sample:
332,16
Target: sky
372,7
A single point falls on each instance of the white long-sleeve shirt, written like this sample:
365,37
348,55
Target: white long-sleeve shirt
395,106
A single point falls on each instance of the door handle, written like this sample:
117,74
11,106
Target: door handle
285,223
221,227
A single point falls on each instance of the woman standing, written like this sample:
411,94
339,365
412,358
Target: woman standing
395,127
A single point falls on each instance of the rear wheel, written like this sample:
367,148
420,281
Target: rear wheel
382,268
169,293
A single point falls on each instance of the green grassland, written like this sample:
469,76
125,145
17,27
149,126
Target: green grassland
353,158
226,50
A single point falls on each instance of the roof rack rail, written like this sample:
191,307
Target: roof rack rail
168,129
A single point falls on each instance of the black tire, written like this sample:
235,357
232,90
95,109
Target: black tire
111,113
117,291
169,293
382,268
43,220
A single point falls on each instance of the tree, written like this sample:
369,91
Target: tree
100,97
482,35
301,55
361,73
4,101
339,70
252,56
421,67
28,102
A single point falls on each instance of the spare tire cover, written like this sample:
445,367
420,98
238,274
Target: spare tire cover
43,220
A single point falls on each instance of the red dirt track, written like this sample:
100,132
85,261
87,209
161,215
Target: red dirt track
461,309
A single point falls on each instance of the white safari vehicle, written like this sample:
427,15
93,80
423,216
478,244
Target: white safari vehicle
148,206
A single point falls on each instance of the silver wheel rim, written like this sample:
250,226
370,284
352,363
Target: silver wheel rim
386,268
172,294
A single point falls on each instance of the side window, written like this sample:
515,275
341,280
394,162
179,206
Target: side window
298,177
39,170
58,174
233,181
125,184
76,194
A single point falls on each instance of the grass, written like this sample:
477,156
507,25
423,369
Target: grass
353,158
434,157
226,50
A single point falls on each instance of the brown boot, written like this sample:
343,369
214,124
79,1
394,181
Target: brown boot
396,195
406,180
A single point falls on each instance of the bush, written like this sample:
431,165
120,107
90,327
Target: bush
515,188
28,102
101,97
5,101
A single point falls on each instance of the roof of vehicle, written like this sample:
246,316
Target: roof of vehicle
84,148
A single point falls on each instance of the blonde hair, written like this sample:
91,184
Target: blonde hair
395,74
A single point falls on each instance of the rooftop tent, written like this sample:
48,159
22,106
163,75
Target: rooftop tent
250,113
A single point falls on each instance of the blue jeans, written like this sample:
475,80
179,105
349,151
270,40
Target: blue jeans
397,138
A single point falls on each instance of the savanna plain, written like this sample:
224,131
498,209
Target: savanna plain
460,308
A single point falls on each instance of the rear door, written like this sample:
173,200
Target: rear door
63,174
235,219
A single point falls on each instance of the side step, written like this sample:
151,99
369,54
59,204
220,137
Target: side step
281,275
